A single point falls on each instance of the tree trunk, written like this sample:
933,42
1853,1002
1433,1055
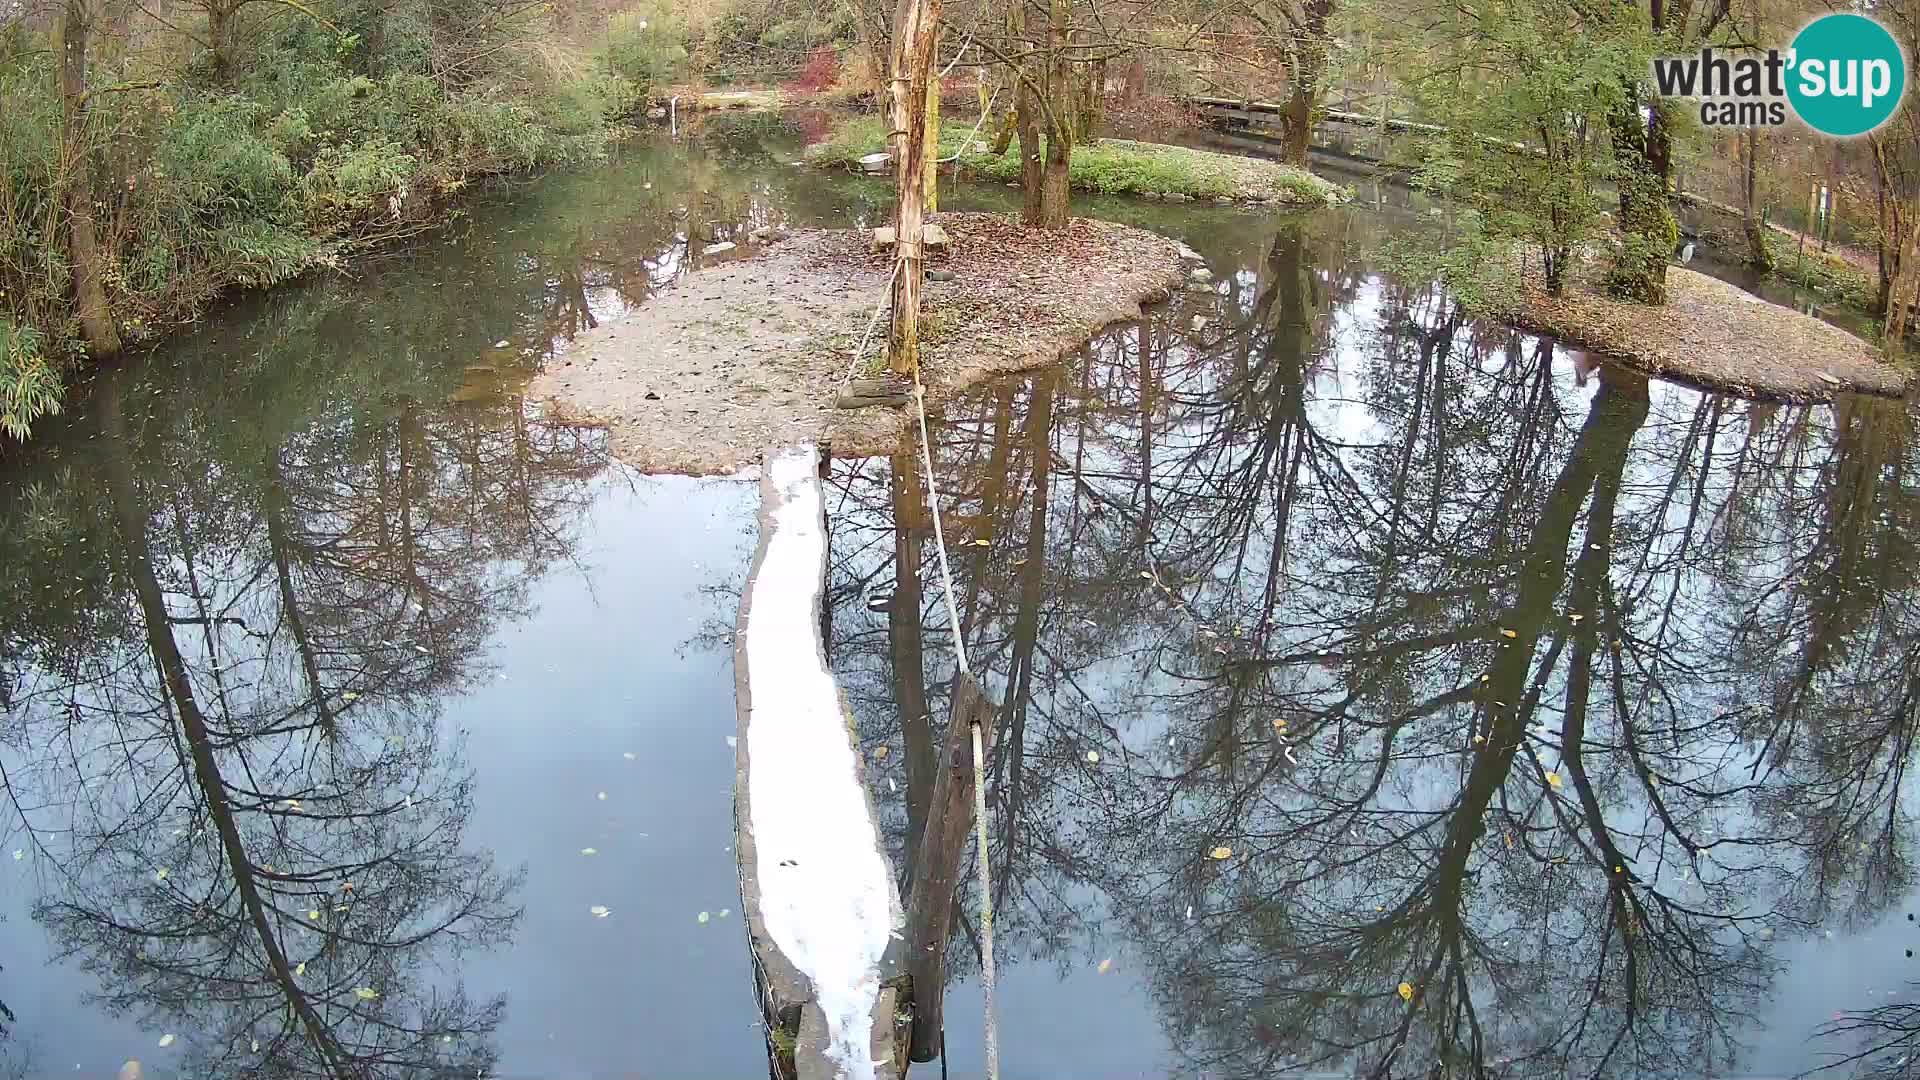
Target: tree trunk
220,41
1758,253
1648,229
913,69
1054,192
1308,67
932,134
83,238
1135,83
1028,126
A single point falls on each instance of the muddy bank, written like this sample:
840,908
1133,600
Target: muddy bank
753,352
1711,334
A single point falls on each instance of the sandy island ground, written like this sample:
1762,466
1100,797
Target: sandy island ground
752,353
1709,333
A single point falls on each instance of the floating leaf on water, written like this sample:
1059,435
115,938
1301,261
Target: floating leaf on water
599,911
1553,778
1148,574
302,969
255,1046
293,805
733,740
880,753
1189,912
350,696
161,874
703,917
602,796
365,993
630,755
724,912
1406,991
18,854
1105,965
588,851
1504,632
1222,852
166,1040
1093,756
314,914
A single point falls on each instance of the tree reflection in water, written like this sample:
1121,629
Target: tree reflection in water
224,742
1563,706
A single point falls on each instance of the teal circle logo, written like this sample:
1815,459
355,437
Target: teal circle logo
1846,75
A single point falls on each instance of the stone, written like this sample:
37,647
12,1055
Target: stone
1152,195
932,238
1200,275
761,235
940,275
1222,200
656,113
876,163
678,213
1199,323
720,248
1175,196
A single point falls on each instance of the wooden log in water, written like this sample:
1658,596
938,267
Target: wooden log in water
817,891
937,867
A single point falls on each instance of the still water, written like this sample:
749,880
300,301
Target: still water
1380,693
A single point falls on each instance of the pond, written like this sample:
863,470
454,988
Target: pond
1379,692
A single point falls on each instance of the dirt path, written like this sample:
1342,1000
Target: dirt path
752,353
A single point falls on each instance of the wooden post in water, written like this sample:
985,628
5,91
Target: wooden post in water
914,40
937,869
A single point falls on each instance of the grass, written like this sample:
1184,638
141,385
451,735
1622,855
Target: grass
1108,167
1827,274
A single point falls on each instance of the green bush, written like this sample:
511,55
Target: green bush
647,47
330,133
29,381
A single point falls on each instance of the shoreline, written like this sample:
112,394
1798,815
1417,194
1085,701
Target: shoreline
752,352
1710,333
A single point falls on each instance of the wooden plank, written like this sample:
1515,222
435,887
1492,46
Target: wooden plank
937,867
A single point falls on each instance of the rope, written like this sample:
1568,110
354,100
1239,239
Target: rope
979,752
861,350
977,125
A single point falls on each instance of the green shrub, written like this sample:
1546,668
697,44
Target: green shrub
646,46
29,382
215,153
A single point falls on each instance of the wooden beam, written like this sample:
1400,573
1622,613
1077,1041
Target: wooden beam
936,867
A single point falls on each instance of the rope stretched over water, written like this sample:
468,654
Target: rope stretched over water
979,753
992,1037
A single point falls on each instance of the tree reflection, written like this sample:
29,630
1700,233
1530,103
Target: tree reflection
250,819
1535,711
